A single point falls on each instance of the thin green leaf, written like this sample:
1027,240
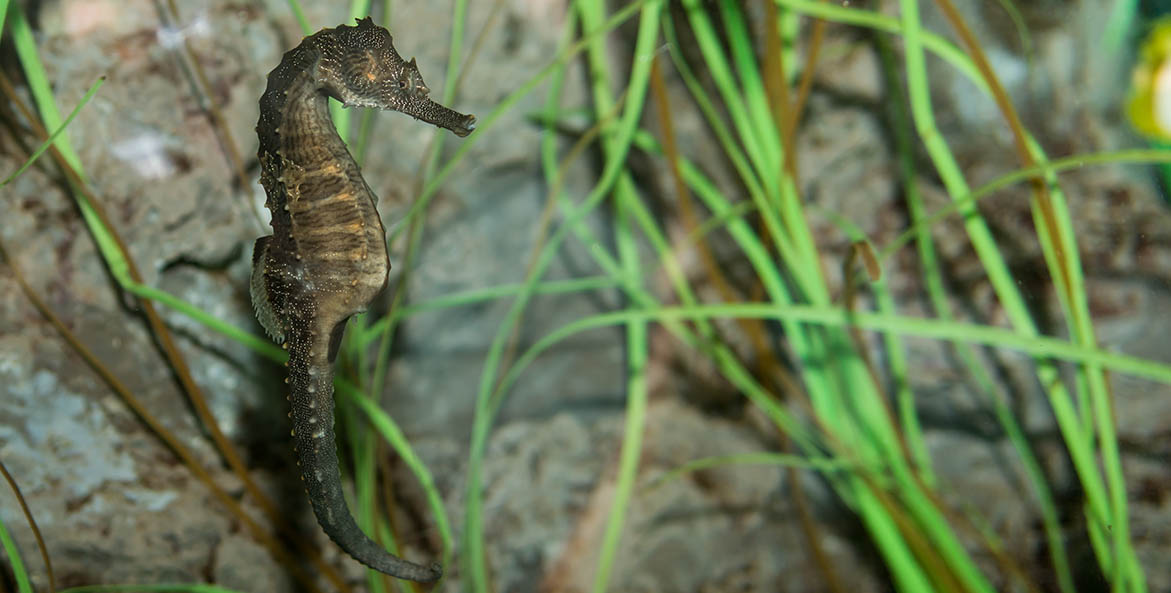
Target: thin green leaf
56,133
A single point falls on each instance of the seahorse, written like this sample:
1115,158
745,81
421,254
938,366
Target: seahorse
327,258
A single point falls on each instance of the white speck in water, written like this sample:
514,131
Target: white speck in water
147,154
172,37
317,474
313,420
319,434
149,500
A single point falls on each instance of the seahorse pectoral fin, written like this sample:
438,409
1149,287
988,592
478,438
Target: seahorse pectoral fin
261,299
335,340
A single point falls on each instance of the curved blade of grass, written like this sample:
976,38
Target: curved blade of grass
299,14
754,458
1123,15
32,523
941,47
57,132
432,186
38,83
3,16
806,268
916,40
1040,346
18,571
615,146
474,557
1055,232
911,434
491,293
1022,30
754,249
1078,440
933,281
266,348
711,45
1077,161
393,435
415,236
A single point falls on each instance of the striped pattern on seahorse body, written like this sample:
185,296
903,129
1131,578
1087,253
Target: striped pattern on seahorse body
326,258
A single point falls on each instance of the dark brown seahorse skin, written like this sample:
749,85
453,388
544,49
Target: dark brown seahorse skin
326,258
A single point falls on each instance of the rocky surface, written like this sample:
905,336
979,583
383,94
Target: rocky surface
115,505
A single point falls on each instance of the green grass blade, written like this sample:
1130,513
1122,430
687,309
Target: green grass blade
481,295
941,47
934,283
57,132
1119,25
1078,442
3,16
636,394
754,458
299,14
905,326
1076,162
38,83
474,558
14,561
483,125
393,435
616,145
415,239
258,344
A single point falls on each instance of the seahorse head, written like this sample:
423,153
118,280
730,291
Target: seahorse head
361,68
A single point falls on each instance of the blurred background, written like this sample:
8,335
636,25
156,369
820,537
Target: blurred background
768,295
